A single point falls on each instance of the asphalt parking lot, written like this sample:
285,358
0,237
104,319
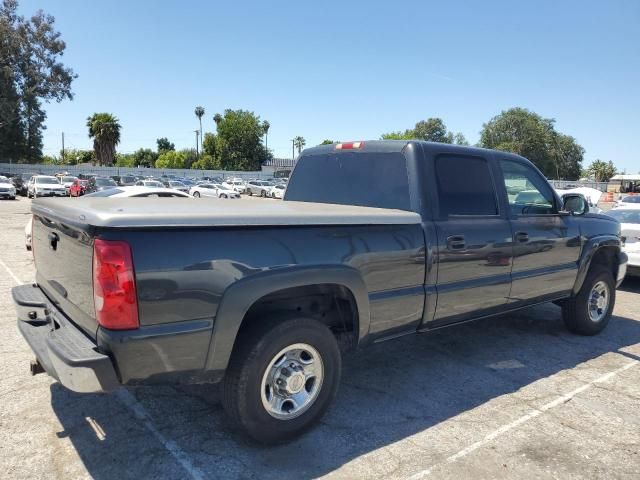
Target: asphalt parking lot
510,397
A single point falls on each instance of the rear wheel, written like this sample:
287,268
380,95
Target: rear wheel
282,378
263,193
589,312
223,195
196,194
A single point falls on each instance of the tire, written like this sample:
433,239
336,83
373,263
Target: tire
273,195
249,192
196,194
223,196
256,350
578,312
263,193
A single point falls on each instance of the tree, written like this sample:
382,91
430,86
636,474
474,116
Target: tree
171,159
77,157
125,160
164,145
199,111
526,133
265,128
217,118
238,144
105,131
144,157
430,130
602,171
209,146
30,73
327,142
299,142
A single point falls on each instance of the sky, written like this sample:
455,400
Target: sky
349,70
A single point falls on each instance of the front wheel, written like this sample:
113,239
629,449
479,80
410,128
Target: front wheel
196,194
223,195
282,378
589,312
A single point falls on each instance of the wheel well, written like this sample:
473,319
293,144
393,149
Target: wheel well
331,304
606,257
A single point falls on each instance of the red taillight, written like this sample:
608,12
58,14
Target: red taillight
114,285
349,145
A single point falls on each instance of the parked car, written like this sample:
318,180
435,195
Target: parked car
627,200
127,180
67,182
149,183
20,182
235,184
212,190
97,184
278,190
176,185
373,240
629,218
7,188
45,186
137,191
78,188
259,187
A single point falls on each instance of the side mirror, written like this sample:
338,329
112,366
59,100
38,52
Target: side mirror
575,204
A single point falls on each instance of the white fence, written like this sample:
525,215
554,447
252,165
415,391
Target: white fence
109,171
567,184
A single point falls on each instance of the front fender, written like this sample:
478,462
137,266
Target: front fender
589,250
240,296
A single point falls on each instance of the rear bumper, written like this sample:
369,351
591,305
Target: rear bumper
64,351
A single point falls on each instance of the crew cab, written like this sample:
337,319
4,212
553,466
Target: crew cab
373,240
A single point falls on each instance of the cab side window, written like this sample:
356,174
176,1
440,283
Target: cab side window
465,186
527,192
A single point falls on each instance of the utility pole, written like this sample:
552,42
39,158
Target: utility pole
197,152
63,147
293,149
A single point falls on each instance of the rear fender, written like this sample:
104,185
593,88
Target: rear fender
239,297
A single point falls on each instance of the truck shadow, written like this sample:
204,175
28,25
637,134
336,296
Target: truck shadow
388,393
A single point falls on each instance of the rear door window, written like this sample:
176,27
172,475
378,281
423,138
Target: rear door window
465,186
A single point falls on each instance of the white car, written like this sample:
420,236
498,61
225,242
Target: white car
149,184
45,186
277,191
7,189
140,192
629,219
628,200
213,190
259,187
67,182
235,184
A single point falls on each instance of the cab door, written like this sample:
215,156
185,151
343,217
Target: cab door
546,243
474,248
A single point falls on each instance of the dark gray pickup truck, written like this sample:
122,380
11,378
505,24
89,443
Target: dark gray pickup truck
373,240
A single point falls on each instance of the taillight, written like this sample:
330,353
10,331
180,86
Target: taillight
114,285
349,145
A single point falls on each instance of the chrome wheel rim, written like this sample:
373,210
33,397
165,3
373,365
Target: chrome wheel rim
292,381
599,301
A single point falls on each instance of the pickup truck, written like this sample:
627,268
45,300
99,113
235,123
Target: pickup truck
373,240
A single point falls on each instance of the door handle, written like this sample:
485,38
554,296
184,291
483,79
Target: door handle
455,242
522,237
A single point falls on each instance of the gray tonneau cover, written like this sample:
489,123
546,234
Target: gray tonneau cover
190,212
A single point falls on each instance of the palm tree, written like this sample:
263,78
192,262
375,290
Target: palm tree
199,111
265,129
217,118
299,142
105,131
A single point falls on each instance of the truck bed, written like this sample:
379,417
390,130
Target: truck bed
187,212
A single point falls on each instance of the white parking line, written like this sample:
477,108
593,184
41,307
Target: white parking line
525,418
141,414
11,274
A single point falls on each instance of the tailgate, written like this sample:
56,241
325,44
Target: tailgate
63,256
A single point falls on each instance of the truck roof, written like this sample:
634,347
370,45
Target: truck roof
187,212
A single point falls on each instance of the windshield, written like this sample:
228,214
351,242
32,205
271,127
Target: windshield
176,184
67,179
352,178
46,180
153,184
105,182
631,199
625,216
